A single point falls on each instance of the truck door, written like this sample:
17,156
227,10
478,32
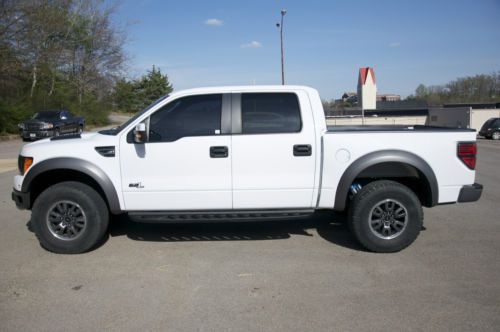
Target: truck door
67,122
273,151
186,162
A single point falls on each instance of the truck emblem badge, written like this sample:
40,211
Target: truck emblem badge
136,185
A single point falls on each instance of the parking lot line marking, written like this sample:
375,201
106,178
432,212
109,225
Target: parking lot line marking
245,275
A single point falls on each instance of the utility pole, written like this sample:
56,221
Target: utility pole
280,26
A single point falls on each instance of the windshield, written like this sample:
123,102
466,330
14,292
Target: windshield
46,115
116,130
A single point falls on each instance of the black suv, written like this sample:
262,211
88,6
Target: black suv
491,129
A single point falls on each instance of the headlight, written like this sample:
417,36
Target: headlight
20,125
47,126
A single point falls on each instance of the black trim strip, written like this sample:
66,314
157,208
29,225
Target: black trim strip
226,114
65,136
106,151
394,128
218,215
236,113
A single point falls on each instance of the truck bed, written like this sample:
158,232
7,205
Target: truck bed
437,146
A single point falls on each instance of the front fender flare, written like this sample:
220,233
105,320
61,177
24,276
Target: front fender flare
79,165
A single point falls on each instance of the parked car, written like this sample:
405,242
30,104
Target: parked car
491,129
50,123
243,153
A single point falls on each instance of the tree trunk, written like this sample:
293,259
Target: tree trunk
33,84
52,84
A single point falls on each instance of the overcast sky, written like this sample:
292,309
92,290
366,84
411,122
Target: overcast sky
207,43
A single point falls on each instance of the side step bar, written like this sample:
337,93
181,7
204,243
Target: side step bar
229,215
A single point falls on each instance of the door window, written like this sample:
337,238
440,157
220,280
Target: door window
188,116
263,113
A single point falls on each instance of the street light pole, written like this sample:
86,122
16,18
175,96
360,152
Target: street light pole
283,12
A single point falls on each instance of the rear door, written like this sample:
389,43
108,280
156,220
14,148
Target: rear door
273,150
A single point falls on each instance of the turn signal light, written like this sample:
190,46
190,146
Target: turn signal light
24,164
466,152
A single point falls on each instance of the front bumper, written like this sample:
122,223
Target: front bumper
36,134
21,199
470,193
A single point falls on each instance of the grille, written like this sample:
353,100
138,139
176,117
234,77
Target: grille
33,126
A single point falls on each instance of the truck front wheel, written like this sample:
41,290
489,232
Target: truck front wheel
69,218
385,216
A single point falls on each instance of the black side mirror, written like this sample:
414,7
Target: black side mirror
140,135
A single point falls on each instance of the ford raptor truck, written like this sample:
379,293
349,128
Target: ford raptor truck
243,153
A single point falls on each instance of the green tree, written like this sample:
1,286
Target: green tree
152,86
57,54
421,92
126,97
478,88
132,96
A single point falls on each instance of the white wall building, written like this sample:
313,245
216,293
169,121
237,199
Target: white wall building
461,117
367,89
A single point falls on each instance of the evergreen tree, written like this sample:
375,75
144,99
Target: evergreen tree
132,96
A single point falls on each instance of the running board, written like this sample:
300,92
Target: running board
228,215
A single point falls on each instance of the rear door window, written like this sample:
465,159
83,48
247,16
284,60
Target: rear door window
266,113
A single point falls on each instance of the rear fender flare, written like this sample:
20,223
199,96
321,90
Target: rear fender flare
379,157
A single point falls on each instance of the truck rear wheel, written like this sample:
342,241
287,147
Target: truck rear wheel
385,216
69,218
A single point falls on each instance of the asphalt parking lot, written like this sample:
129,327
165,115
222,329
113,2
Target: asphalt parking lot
302,276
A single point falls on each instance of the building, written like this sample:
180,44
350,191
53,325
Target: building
388,97
367,89
492,105
461,117
350,97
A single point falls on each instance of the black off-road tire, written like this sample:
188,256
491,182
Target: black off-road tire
363,214
92,205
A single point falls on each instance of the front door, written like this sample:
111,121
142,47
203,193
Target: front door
186,163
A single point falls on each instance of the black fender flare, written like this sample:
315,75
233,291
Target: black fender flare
379,157
78,165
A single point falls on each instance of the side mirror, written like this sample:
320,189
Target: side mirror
140,135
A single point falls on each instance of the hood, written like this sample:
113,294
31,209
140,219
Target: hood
68,146
30,121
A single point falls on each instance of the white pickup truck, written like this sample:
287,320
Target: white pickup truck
243,153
